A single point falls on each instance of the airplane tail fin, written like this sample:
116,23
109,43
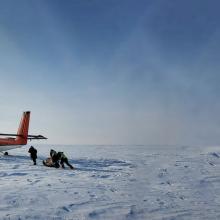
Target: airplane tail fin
23,128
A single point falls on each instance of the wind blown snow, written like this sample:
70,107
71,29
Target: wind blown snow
112,182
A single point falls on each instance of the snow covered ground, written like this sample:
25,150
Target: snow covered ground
113,182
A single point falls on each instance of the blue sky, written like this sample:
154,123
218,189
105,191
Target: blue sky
112,71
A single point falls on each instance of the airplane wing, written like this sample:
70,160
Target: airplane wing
34,137
29,137
11,135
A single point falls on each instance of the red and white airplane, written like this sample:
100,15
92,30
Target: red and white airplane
11,141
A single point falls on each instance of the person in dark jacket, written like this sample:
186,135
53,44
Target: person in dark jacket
63,159
33,154
55,158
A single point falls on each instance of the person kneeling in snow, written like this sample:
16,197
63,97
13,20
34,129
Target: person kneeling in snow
63,159
55,158
33,154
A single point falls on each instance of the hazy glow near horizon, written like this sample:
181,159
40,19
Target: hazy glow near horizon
112,72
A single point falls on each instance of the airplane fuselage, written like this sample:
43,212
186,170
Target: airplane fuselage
9,141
